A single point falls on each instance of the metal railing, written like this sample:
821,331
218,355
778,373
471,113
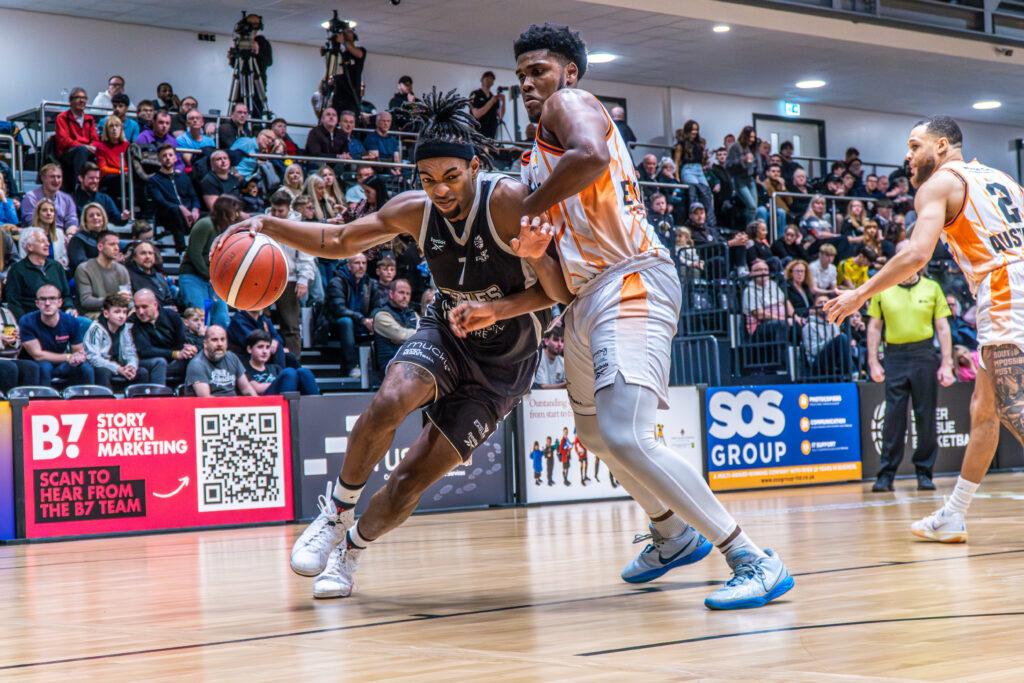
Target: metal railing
128,176
124,197
773,205
823,162
695,360
15,159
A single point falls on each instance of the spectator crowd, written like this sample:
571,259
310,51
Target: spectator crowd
88,299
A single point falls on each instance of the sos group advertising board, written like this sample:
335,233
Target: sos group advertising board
546,414
766,436
109,466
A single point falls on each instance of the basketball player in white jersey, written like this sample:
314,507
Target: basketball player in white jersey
619,328
978,212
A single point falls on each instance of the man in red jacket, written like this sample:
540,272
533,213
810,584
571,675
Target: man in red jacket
76,137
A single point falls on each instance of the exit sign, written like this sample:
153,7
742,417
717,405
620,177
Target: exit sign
791,108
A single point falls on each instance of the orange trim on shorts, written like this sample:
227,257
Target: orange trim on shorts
633,297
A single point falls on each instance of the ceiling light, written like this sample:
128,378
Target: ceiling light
721,28
327,24
813,83
987,104
600,57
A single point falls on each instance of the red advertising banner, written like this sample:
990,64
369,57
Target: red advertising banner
109,466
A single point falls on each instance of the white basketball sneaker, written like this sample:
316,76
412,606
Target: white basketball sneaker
338,579
311,549
753,584
941,526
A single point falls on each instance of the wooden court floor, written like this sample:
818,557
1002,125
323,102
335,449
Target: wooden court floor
534,594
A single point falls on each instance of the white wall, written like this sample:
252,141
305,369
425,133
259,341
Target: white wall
43,53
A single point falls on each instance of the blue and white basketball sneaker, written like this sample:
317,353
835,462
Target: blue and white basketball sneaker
663,554
753,584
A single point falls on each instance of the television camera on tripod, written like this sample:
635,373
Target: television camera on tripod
250,56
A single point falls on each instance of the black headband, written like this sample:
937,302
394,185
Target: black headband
434,149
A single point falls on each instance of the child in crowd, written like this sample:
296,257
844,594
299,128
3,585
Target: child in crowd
195,326
690,264
252,200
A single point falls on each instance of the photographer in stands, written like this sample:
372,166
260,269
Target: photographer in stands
488,108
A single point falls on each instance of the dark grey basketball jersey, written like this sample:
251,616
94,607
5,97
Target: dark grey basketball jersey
470,262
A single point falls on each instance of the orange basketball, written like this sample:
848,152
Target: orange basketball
248,272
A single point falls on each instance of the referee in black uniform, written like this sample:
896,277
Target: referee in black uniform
914,313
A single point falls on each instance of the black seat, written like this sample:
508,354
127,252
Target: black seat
33,392
147,391
87,391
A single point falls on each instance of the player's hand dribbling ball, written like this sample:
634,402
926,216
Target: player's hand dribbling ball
248,271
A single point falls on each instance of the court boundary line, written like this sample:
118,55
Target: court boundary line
429,617
805,627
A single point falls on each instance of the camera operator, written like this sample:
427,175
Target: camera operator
249,41
345,66
486,108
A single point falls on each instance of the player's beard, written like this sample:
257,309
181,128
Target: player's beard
217,355
454,213
923,171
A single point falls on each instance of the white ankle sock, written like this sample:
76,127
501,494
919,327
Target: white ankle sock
344,495
741,550
671,527
962,496
356,540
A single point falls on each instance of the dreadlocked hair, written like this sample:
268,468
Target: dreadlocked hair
445,117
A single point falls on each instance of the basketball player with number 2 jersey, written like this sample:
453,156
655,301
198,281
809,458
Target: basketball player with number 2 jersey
978,212
619,327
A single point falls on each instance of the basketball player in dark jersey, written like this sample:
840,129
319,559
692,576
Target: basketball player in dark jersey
464,221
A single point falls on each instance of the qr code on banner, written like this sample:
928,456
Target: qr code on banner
239,458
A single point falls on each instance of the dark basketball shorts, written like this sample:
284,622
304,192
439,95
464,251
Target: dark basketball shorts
472,398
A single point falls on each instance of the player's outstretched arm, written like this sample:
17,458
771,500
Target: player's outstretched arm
470,316
402,214
930,204
580,127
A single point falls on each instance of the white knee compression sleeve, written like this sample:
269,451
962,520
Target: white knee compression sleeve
590,436
626,415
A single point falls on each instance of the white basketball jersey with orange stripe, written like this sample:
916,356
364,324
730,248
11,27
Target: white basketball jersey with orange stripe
986,238
604,224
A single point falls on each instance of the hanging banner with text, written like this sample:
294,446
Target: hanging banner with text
111,466
557,469
766,436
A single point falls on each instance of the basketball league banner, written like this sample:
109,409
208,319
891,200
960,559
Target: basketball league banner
110,466
764,436
565,472
952,428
